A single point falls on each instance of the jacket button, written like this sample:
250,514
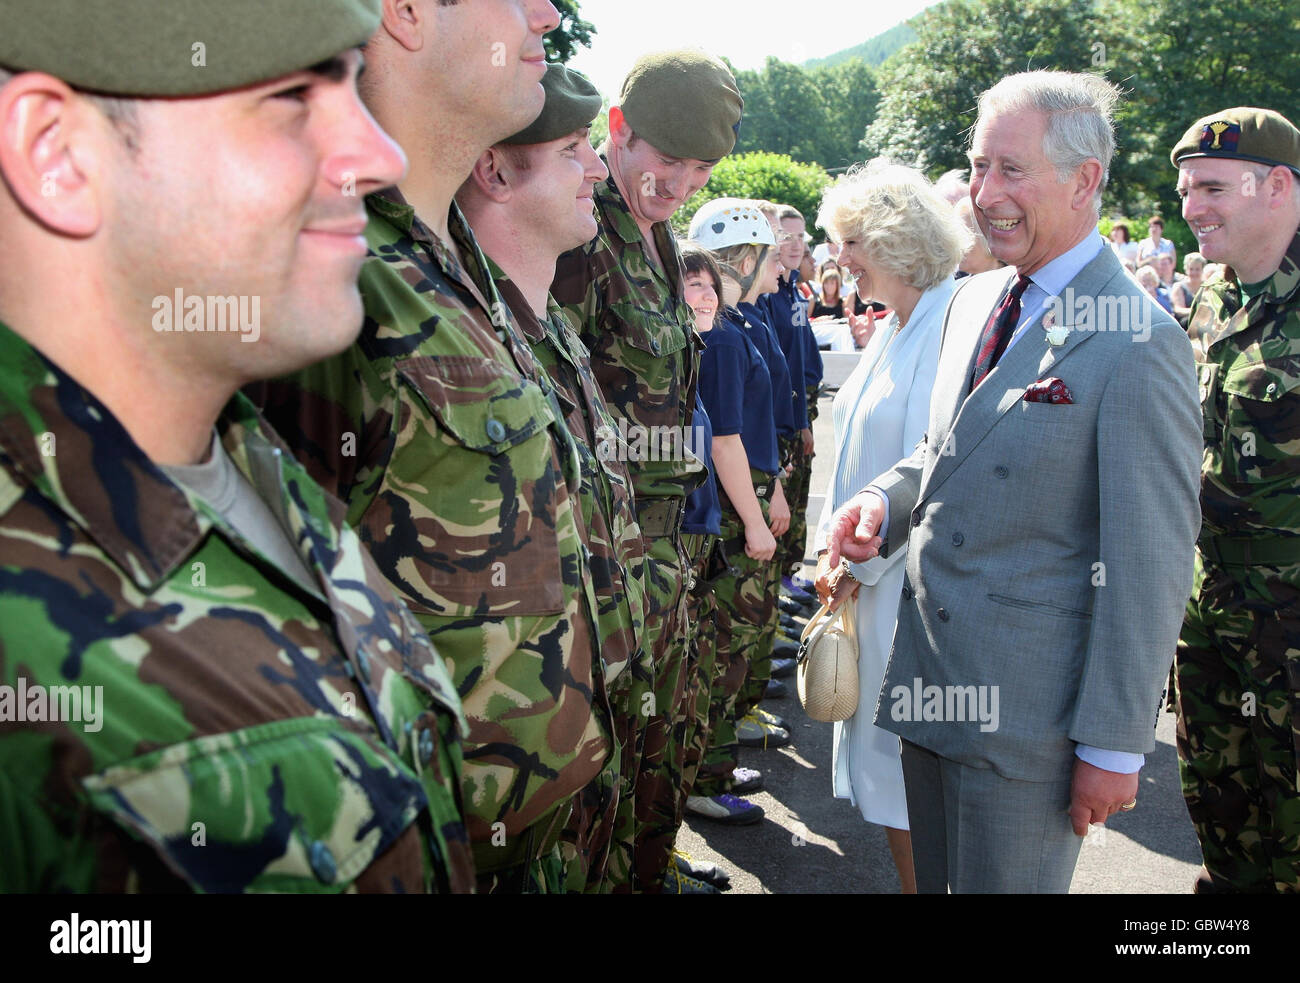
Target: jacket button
916,517
958,539
496,430
426,746
1000,471
907,593
654,346
943,614
322,862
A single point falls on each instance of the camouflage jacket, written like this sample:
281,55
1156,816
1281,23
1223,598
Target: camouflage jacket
613,540
236,732
447,443
641,334
1248,363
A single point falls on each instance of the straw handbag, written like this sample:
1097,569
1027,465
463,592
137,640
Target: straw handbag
828,664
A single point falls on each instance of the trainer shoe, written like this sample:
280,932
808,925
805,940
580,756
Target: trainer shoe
728,809
771,719
782,667
745,781
675,882
804,583
774,689
701,870
752,732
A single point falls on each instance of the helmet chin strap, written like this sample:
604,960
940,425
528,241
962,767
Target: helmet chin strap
746,281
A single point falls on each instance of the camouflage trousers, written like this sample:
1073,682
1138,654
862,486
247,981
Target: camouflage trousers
631,705
793,545
1237,676
660,777
701,660
745,596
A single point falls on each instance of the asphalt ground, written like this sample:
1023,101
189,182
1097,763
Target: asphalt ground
810,842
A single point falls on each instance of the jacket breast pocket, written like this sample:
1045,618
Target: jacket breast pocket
1261,422
301,806
471,503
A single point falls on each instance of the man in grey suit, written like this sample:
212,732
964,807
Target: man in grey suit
1051,511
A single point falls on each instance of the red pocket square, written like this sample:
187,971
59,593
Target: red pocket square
1049,391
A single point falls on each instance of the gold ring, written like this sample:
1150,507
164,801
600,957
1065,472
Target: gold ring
1129,806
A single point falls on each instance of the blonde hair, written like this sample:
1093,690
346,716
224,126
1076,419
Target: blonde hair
905,226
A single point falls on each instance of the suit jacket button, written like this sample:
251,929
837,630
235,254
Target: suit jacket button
958,539
943,614
1000,471
907,593
916,517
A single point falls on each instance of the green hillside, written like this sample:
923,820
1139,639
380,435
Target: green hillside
873,51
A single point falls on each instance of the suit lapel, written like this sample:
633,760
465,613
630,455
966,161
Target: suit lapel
1031,358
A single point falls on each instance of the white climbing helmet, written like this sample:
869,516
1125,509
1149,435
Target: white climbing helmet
725,222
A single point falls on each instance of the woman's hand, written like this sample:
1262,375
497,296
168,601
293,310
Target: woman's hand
779,513
760,544
863,327
834,586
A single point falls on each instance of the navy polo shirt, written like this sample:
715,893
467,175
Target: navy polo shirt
737,390
764,339
787,313
703,509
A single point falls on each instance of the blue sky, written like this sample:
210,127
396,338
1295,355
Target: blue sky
745,31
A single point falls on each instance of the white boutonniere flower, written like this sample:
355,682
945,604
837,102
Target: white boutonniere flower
1056,333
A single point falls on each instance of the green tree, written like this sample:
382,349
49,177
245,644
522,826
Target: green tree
573,32
775,177
849,90
930,89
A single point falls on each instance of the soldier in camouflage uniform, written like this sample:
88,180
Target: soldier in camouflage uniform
446,440
199,691
1238,663
528,200
678,115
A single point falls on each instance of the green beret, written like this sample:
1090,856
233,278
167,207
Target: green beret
684,103
158,48
1244,133
571,103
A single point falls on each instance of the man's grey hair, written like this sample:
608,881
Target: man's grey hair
1080,112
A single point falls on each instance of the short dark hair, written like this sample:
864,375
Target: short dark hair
1156,220
697,259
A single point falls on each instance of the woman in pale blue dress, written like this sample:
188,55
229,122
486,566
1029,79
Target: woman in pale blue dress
903,242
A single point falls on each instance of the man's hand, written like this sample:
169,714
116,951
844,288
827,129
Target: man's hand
863,326
854,529
779,513
1095,794
807,441
834,585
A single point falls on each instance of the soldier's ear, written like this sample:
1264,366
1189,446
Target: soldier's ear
404,22
491,175
52,145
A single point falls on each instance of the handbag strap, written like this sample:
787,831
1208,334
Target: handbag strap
813,630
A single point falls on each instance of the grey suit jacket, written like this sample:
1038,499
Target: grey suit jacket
1051,545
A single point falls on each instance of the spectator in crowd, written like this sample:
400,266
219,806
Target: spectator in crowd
953,186
830,303
904,241
1236,681
1153,245
1150,280
1164,264
1185,287
1125,248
